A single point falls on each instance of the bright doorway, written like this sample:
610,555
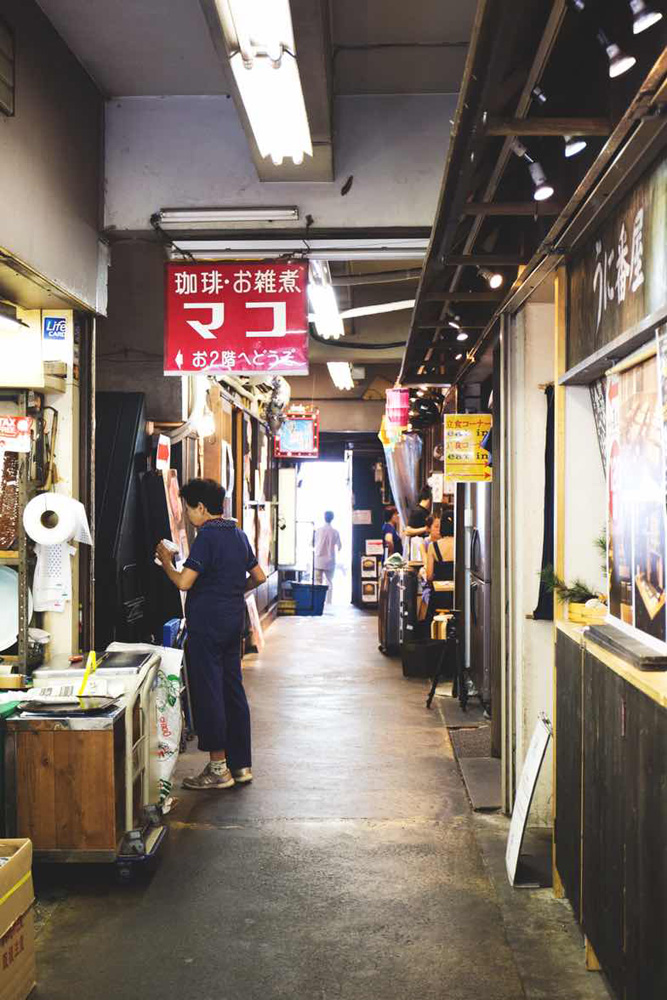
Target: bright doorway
325,486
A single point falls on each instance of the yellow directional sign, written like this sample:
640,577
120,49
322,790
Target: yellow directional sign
465,459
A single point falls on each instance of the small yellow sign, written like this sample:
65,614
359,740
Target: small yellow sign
465,459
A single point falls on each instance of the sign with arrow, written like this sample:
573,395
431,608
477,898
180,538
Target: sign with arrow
466,461
242,318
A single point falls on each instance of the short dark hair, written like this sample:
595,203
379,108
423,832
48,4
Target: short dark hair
205,491
447,522
389,513
328,516
425,493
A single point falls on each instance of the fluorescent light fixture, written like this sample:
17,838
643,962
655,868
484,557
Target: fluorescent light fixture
384,307
543,189
574,144
619,61
341,374
462,336
642,16
325,315
493,278
218,218
232,248
262,56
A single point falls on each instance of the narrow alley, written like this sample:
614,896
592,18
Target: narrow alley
349,869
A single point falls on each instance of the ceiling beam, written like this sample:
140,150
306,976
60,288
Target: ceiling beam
458,296
377,277
512,208
437,327
483,260
548,126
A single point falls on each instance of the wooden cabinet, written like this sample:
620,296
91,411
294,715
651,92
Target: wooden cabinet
66,784
611,815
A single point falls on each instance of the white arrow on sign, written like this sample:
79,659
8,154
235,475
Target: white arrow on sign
179,359
205,330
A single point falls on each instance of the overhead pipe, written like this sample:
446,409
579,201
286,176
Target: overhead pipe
377,277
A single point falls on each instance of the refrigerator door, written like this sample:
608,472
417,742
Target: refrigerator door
480,535
480,638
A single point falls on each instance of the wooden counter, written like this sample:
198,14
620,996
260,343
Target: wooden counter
610,828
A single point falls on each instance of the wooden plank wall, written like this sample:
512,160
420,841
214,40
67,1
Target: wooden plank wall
568,765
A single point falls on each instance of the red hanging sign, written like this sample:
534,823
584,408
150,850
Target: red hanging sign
15,433
241,318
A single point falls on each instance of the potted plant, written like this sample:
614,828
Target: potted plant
585,605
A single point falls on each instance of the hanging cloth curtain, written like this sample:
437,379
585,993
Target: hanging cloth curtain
545,602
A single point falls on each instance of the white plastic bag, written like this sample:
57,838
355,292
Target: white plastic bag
169,728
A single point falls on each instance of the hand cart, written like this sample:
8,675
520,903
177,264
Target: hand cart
79,785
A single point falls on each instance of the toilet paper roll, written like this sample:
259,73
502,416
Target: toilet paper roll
50,518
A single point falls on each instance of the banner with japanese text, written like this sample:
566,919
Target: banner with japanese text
238,318
466,461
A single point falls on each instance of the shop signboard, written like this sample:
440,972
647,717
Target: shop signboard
619,282
237,318
466,461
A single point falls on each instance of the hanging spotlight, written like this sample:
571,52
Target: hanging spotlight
462,335
619,61
543,189
539,95
642,16
574,144
458,357
493,278
454,325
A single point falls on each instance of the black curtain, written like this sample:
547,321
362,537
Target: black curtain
545,602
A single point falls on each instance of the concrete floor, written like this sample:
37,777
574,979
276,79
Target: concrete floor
350,869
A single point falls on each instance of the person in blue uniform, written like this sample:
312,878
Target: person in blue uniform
219,571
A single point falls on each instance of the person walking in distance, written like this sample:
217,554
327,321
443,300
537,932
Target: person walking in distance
219,571
327,542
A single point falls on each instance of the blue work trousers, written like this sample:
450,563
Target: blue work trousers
219,703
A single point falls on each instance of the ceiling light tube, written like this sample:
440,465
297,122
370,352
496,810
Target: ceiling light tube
642,16
218,218
574,144
260,42
341,374
619,61
493,278
325,315
383,307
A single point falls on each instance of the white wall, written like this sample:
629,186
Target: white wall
585,491
50,164
192,151
531,361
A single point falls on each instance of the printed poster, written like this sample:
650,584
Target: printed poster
636,498
466,461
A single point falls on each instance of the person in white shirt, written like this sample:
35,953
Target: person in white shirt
327,541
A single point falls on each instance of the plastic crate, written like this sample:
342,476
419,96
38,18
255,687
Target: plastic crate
309,598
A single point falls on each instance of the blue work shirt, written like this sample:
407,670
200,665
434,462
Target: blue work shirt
222,556
389,529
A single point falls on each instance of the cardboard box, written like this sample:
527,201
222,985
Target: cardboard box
17,929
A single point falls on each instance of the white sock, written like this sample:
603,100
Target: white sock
219,766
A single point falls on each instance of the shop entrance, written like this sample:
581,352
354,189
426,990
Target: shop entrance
323,486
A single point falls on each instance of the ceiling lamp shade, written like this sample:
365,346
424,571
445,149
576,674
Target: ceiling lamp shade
642,16
462,336
619,62
341,374
260,39
325,315
543,189
493,278
574,144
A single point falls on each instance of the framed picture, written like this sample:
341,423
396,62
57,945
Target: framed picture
369,567
299,436
369,591
374,546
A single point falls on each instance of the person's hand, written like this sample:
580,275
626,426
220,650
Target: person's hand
163,554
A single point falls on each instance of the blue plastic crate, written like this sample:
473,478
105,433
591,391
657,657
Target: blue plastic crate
309,598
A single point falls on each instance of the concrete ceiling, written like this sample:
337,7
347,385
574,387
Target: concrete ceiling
135,48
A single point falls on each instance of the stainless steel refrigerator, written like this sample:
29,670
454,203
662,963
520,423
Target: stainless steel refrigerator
479,589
